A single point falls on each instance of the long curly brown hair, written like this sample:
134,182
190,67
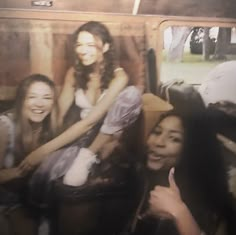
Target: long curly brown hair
100,31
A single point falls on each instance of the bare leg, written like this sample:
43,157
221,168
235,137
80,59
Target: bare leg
104,144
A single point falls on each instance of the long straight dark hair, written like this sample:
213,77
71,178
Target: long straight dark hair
23,129
201,173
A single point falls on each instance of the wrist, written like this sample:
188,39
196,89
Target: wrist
185,222
179,212
17,173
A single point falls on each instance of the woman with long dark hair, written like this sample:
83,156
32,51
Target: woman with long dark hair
28,125
185,186
23,129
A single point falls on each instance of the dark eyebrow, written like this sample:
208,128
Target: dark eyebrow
87,43
170,130
33,93
48,95
175,131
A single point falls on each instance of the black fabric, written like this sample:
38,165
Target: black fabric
152,71
8,198
149,225
223,116
184,97
146,181
102,206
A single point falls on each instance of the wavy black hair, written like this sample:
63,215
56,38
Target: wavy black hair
98,30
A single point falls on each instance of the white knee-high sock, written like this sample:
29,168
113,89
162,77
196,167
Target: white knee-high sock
80,168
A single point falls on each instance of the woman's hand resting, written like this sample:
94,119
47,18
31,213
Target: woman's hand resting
30,163
10,174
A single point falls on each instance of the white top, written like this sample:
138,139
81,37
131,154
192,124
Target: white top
9,157
82,101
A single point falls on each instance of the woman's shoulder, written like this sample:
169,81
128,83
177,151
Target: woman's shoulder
7,124
7,130
70,78
7,119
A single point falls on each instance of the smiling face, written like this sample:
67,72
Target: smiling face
89,49
38,102
165,144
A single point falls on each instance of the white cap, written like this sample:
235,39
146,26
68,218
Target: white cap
220,84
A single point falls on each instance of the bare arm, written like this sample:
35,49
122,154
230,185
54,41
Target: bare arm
7,175
185,222
66,96
166,202
81,127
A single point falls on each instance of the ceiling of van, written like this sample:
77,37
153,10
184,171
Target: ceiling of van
212,8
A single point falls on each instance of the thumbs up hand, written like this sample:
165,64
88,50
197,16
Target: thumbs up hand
172,184
166,202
